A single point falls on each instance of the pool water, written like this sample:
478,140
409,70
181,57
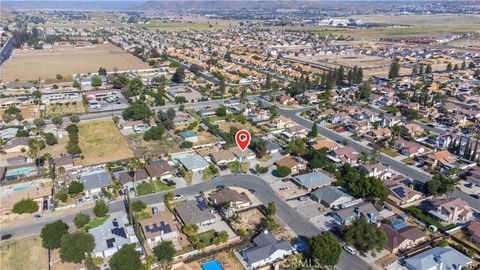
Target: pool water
18,171
20,188
212,265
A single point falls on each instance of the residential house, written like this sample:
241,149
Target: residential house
313,180
287,100
159,169
281,122
377,170
8,133
405,237
377,135
441,158
160,227
390,121
409,149
438,258
93,180
243,156
400,193
331,196
234,198
295,131
194,163
111,236
451,210
131,178
266,250
411,130
195,212
222,157
345,155
324,143
474,232
294,163
345,216
189,136
17,144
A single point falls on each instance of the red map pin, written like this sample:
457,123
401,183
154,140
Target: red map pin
243,139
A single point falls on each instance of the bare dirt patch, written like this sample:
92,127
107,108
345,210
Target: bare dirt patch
101,142
33,64
26,254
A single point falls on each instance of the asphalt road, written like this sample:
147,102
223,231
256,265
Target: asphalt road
396,165
302,227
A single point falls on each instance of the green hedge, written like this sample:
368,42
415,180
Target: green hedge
419,214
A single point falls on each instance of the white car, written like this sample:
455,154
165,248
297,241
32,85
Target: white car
350,249
178,197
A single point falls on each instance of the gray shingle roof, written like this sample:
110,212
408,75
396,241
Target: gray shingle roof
328,194
313,180
192,213
265,245
449,257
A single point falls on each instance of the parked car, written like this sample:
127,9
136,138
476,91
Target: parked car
303,198
87,198
178,197
154,210
350,249
252,191
220,186
6,236
95,197
215,177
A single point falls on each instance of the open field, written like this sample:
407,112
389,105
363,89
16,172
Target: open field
58,149
67,61
152,148
225,127
101,142
23,254
27,112
64,109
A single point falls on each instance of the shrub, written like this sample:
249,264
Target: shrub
25,206
283,171
81,220
62,196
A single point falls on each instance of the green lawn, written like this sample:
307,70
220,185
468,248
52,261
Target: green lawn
206,237
425,120
208,174
95,223
161,186
388,151
144,214
215,118
145,188
407,160
237,166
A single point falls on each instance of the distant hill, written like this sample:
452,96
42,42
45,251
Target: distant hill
71,5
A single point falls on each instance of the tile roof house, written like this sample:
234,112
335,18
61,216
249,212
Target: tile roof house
407,148
474,232
159,227
450,210
438,258
195,212
331,196
237,200
293,163
412,130
295,131
313,180
111,236
403,238
345,216
267,249
243,156
439,158
400,193
159,168
324,143
346,155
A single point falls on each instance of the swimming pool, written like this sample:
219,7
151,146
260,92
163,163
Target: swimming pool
212,265
20,188
18,171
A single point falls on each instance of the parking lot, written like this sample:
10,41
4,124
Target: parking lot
114,101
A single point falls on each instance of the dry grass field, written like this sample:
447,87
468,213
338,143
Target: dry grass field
64,109
101,142
23,254
46,64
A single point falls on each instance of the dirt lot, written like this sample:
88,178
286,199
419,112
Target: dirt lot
67,61
23,254
101,142
64,109
27,112
225,127
249,219
57,149
143,148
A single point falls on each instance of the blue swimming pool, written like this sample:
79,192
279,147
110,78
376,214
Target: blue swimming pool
212,265
18,171
20,188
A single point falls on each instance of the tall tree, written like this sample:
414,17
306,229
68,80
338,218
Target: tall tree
74,246
52,234
314,131
394,70
325,249
127,258
365,236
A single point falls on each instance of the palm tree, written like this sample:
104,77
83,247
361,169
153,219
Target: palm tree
375,155
363,157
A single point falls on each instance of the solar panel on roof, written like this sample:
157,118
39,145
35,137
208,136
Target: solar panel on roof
115,223
110,242
399,191
120,232
167,229
147,228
